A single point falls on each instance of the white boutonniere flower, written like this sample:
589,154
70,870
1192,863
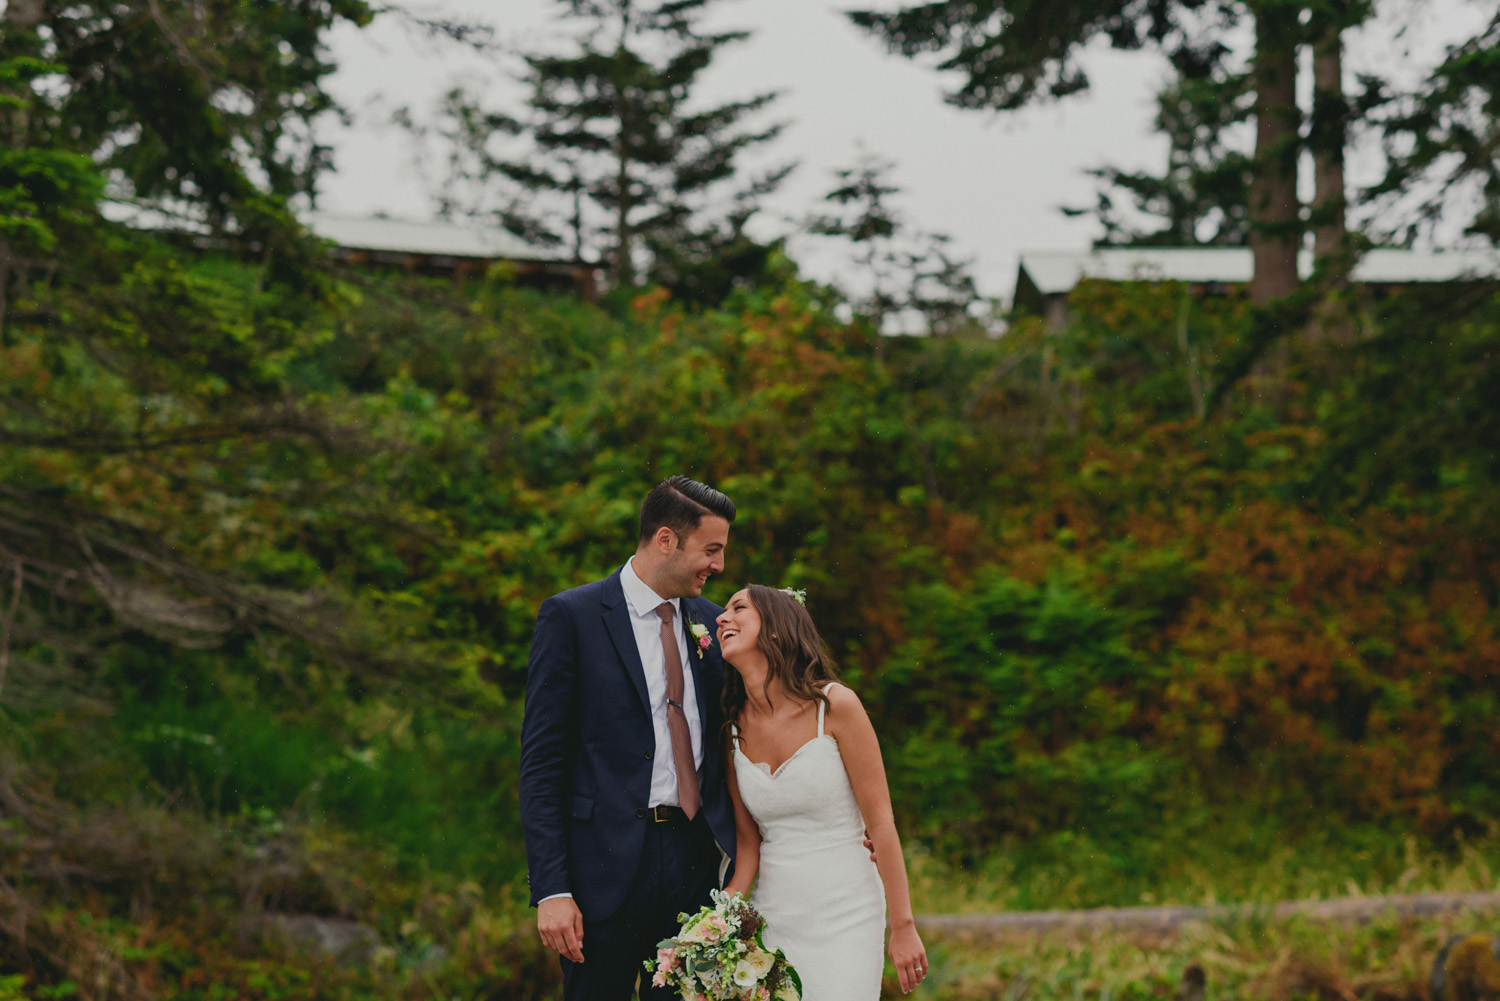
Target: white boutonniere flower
700,634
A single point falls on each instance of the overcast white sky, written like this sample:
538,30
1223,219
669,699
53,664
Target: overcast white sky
993,182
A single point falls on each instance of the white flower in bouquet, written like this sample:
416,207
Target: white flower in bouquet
744,974
760,962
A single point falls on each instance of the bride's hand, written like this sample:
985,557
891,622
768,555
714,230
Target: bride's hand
909,957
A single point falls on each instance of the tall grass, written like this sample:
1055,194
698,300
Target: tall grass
1245,957
1385,960
1237,858
436,791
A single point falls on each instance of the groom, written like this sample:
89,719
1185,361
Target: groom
623,802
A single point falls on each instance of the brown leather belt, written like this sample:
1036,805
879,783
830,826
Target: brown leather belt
666,814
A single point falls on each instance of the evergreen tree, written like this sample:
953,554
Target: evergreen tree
210,104
1443,138
1203,197
614,154
911,273
1011,53
204,108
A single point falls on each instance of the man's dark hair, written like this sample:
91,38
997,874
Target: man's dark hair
680,503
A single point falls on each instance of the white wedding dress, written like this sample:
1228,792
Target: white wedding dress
820,894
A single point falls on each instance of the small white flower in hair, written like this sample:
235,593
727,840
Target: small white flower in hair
798,596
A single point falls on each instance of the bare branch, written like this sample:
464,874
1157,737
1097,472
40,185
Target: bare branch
142,585
286,420
8,621
184,51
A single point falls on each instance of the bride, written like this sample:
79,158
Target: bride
807,781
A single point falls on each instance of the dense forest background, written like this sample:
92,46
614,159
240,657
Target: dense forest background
1137,605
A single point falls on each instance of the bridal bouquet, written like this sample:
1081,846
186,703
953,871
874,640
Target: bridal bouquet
719,955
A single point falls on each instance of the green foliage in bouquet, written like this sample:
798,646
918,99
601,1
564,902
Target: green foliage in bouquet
720,954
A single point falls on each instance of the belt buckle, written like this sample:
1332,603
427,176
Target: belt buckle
662,814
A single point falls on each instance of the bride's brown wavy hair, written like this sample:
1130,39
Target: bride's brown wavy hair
795,654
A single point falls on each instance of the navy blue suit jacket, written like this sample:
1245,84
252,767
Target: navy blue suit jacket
587,746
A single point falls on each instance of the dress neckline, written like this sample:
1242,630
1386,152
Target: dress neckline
766,769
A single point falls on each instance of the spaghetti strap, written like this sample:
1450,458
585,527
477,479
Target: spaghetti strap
823,706
734,730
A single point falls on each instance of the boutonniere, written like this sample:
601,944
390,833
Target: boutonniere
700,633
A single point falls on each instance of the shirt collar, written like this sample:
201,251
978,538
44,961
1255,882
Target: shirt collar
642,599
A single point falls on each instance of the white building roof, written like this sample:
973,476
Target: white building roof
376,233
406,236
1421,266
1059,271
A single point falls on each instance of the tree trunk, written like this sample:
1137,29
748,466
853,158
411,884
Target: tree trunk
1328,137
624,267
577,220
1275,228
624,271
1190,356
6,259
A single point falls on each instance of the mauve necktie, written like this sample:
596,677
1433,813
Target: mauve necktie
677,725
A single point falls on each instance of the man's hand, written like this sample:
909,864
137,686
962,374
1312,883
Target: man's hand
560,923
870,847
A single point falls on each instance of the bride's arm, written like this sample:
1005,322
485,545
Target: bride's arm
850,725
746,836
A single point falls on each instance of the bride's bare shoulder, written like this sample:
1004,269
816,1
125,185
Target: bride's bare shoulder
843,704
840,694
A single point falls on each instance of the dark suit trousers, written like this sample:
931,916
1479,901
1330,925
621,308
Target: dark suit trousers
679,865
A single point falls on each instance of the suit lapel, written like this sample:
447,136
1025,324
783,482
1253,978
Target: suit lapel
622,633
699,666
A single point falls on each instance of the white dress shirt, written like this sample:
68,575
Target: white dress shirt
643,603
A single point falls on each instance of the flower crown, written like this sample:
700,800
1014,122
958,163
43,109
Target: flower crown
799,596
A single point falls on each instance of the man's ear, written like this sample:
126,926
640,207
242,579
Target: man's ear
665,540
